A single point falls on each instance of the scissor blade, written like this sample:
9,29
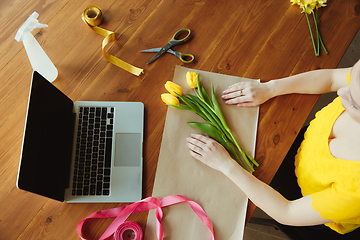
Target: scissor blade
161,52
152,50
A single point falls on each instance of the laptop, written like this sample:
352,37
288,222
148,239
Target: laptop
85,151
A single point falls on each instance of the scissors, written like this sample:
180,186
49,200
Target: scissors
174,41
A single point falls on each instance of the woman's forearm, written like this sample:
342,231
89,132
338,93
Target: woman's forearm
297,213
261,194
249,94
313,82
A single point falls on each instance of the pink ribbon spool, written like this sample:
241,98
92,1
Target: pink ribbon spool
128,231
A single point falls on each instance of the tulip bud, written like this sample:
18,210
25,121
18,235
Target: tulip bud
170,99
173,88
191,78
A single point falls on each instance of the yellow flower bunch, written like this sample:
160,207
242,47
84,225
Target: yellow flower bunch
171,97
207,107
309,6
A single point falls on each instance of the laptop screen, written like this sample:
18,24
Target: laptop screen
48,138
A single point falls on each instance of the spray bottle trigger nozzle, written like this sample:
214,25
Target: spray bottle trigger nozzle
30,24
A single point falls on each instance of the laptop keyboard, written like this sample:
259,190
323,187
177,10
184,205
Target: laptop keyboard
93,151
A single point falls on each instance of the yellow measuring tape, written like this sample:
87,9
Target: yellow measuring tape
92,16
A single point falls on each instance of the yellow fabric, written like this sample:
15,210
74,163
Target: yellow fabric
332,183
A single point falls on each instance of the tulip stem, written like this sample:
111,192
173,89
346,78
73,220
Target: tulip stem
311,34
318,33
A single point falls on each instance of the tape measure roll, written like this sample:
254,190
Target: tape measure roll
128,231
93,16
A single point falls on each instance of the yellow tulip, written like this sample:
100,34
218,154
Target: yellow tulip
320,3
173,88
298,2
170,99
191,78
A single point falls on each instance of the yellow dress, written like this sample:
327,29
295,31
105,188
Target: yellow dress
332,183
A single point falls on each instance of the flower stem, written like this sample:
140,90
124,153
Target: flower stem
243,154
318,33
312,37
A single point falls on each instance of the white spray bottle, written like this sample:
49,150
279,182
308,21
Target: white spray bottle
39,61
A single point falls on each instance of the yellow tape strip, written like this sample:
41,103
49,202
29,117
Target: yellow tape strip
92,16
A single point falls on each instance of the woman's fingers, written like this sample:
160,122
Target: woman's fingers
198,143
196,146
247,94
237,93
209,152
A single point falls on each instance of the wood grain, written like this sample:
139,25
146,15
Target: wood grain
255,39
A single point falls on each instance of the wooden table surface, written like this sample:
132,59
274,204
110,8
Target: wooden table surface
263,39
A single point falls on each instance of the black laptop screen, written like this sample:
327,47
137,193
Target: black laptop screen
47,146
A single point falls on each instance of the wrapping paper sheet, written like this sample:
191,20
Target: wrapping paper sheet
179,173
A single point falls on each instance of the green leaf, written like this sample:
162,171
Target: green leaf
208,112
194,106
203,93
179,107
198,86
206,97
217,108
208,116
213,115
189,103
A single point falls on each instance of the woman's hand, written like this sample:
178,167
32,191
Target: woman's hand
210,152
247,94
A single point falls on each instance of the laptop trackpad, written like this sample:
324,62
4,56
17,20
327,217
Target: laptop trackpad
128,150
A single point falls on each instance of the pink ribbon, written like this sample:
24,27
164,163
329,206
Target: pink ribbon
128,231
122,213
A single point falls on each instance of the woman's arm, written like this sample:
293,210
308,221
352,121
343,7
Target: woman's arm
313,82
297,213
